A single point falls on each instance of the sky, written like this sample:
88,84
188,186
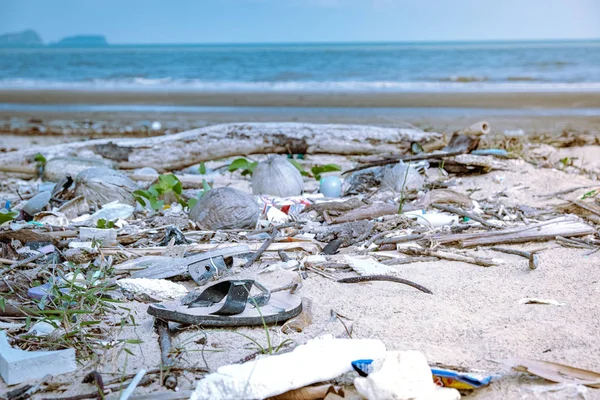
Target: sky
274,21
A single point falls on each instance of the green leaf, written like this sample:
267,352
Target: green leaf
40,159
205,186
202,168
9,216
191,203
239,163
299,167
317,170
591,193
2,304
134,341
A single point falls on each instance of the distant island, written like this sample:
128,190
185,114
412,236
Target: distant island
30,38
82,40
25,38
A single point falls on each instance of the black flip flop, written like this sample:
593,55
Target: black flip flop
229,303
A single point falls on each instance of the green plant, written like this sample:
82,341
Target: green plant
591,193
317,170
104,224
9,216
167,184
202,168
246,167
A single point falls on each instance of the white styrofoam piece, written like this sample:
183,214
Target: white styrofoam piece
319,360
157,289
366,265
18,366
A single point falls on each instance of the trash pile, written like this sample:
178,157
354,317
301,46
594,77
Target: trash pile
86,239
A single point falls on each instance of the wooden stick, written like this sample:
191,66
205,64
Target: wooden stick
408,260
463,213
400,239
529,255
389,278
262,249
484,262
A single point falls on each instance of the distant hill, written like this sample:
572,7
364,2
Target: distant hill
82,40
25,38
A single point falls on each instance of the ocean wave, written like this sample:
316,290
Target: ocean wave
134,84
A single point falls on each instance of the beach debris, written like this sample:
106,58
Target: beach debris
17,366
371,211
262,249
535,300
366,265
228,303
52,218
278,177
225,208
331,186
362,181
113,211
402,178
107,237
37,203
229,140
531,256
554,372
477,129
151,290
388,278
565,226
303,320
166,358
58,168
462,381
102,185
445,255
277,374
132,385
491,152
466,214
402,375
432,219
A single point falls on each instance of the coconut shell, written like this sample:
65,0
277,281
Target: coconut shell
277,177
103,185
225,208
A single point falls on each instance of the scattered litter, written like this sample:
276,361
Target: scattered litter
148,290
366,265
555,372
331,186
402,375
328,358
225,208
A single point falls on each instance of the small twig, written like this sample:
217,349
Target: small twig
399,239
529,255
408,260
570,242
562,191
463,213
390,278
317,271
284,257
164,342
262,249
28,260
484,262
96,378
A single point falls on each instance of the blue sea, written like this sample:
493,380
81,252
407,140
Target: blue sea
494,66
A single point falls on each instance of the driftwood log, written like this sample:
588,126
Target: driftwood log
172,152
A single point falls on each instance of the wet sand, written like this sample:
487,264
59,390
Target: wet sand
534,100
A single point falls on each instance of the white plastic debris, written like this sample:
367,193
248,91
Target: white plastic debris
366,265
403,375
432,219
18,366
42,328
152,289
156,126
319,360
331,186
108,237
